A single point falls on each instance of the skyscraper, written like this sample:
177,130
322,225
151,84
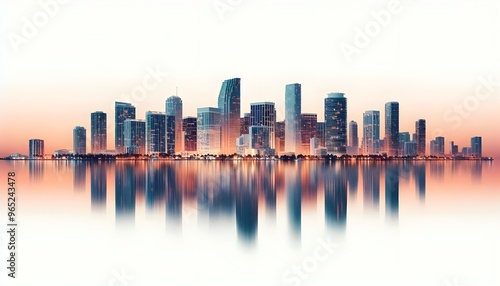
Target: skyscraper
209,131
123,111
308,127
189,127
98,135
245,123
279,142
173,107
353,134
264,114
320,133
439,146
79,140
336,123
293,95
135,136
170,134
420,133
392,128
453,148
260,137
476,147
156,126
371,132
36,148
229,106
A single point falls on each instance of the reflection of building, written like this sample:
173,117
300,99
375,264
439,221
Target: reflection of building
420,180
125,191
123,111
371,132
391,190
173,107
308,123
420,134
229,108
98,135
209,131
79,175
135,136
293,101
336,123
79,140
189,127
476,147
336,198
98,182
392,128
156,184
36,148
371,185
155,132
247,212
293,191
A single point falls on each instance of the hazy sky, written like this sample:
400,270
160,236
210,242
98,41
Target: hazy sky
435,58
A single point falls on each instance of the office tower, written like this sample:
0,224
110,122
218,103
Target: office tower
420,133
293,95
79,140
260,137
313,145
156,127
173,107
170,134
353,134
135,136
229,106
98,135
433,147
371,132
336,123
402,139
245,123
392,128
36,148
439,146
279,142
209,131
476,148
320,133
264,114
189,128
409,148
308,129
123,111
453,148
466,151
242,144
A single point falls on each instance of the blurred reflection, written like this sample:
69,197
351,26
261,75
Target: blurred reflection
98,182
392,173
36,168
477,171
419,171
79,176
125,192
371,185
294,195
247,207
336,195
352,173
156,184
174,197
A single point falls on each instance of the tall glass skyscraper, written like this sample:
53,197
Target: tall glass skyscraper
156,126
189,126
36,148
123,111
308,127
293,102
209,131
98,135
170,134
371,132
264,114
391,140
336,123
420,134
279,141
173,107
320,133
135,136
229,106
79,140
476,146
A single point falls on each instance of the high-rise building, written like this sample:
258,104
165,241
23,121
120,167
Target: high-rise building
245,123
420,133
242,144
336,123
173,107
229,106
392,128
79,140
170,134
156,127
135,136
371,132
409,148
313,146
189,127
453,148
123,111
439,146
209,131
353,134
433,147
293,101
260,137
476,147
36,148
264,114
279,142
320,133
308,128
403,138
98,135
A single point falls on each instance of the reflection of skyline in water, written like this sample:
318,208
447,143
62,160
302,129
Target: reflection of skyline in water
247,192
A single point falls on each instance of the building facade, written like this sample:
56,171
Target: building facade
36,148
79,140
336,123
156,124
98,135
229,108
209,131
293,102
392,128
123,111
189,127
173,107
371,132
135,136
